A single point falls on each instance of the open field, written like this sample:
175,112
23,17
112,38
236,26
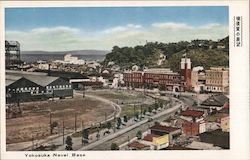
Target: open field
121,97
35,120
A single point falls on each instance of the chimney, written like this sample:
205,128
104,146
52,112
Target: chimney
49,71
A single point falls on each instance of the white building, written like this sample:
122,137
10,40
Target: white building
68,58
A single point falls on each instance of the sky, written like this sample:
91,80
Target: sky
101,28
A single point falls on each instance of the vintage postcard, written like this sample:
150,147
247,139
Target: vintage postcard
124,80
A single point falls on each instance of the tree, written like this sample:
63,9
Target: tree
109,126
139,135
52,126
114,146
149,109
85,135
144,111
137,115
69,143
98,135
125,118
119,122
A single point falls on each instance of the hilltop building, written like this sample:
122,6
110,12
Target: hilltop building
69,59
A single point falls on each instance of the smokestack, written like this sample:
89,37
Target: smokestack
49,71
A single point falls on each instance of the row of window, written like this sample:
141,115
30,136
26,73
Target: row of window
58,86
36,89
24,89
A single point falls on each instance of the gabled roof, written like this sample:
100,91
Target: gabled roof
216,100
9,79
38,78
192,113
41,80
164,128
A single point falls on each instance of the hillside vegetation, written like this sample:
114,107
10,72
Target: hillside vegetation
201,52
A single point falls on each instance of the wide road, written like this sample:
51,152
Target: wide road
123,138
123,135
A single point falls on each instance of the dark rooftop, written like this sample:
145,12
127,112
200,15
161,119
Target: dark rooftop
216,100
149,137
216,137
192,113
164,128
137,145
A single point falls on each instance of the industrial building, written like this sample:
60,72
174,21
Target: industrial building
28,86
12,53
163,79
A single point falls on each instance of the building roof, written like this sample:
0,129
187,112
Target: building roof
202,146
149,137
9,79
40,79
179,148
164,128
137,145
192,113
216,117
216,137
216,100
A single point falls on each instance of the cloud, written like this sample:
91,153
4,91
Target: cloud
122,28
171,25
63,38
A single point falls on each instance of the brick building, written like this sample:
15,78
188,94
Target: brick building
161,78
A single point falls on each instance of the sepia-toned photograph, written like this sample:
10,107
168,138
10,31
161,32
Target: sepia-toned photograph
109,80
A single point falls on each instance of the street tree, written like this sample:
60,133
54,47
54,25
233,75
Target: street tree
125,118
139,135
114,146
137,115
69,143
52,126
109,126
149,109
85,136
119,122
98,135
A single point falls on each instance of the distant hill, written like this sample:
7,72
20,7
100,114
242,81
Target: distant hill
74,52
201,52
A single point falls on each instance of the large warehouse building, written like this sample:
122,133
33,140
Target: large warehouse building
29,86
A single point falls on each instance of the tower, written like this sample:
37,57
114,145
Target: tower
186,73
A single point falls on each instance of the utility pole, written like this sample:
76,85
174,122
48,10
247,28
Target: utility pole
141,111
82,125
105,117
32,143
134,112
115,122
75,120
50,121
63,132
